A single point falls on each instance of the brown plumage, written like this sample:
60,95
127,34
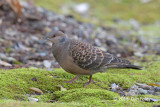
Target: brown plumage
81,58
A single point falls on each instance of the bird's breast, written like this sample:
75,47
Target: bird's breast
62,56
68,65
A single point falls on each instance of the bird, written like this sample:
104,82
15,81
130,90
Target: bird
80,58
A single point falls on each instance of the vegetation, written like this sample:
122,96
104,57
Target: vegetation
15,84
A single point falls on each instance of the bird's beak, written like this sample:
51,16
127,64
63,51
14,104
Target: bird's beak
46,37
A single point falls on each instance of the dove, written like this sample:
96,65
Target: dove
79,58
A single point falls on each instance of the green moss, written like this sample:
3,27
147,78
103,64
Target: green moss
15,83
94,97
14,103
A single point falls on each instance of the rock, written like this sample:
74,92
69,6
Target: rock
22,47
114,90
156,93
34,38
113,85
157,89
151,92
81,8
144,86
150,100
134,87
5,64
4,57
131,93
33,99
47,63
41,54
142,91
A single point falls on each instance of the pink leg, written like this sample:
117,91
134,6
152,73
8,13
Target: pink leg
90,80
72,80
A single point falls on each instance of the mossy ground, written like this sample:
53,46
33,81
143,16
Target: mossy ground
15,83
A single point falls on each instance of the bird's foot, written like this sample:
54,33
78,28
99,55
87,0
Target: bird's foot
73,80
90,80
93,82
87,83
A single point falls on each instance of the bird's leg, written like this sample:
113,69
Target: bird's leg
72,80
90,80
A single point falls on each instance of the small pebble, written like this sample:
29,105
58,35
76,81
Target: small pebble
33,99
134,87
113,85
142,91
157,89
150,100
156,93
36,90
157,83
131,93
81,8
150,91
47,63
114,90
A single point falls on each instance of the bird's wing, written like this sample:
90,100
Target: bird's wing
89,57
85,55
112,61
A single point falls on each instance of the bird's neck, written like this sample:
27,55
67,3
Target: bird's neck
63,40
59,49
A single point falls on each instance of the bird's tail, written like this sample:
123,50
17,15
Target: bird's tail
122,63
129,66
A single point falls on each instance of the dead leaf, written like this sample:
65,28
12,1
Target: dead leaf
61,88
36,90
153,84
16,6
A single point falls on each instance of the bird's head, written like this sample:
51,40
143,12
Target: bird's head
56,37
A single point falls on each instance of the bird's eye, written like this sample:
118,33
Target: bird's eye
54,36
